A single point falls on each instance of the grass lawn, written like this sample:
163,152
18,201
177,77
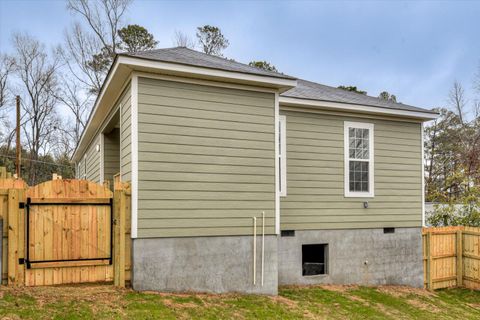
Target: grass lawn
322,302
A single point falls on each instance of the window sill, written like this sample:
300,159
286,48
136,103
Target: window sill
316,276
359,195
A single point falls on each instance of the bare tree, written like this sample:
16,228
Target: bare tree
181,39
37,77
6,68
77,102
104,18
79,52
92,50
457,101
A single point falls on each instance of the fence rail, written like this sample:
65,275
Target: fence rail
451,257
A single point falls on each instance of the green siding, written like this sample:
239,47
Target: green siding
125,135
92,157
111,154
93,161
315,175
81,169
206,159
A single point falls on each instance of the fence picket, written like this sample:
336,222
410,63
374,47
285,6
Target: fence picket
452,257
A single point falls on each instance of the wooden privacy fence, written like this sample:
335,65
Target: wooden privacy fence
64,231
451,257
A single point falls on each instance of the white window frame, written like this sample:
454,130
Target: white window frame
371,164
282,155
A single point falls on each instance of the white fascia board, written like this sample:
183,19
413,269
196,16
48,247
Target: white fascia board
175,68
289,101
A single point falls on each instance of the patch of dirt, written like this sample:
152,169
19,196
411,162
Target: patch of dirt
401,291
178,305
423,306
289,303
338,288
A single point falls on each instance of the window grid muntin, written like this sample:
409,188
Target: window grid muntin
367,148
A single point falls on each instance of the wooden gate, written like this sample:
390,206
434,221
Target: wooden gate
64,231
68,233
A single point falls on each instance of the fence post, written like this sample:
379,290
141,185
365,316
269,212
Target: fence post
428,248
116,234
459,239
119,237
123,205
12,236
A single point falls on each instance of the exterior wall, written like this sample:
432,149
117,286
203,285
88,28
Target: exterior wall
206,159
356,256
93,161
315,175
111,155
205,264
92,157
125,135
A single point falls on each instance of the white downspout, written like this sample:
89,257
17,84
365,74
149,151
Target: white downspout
263,244
254,250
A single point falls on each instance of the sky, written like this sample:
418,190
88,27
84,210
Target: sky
413,49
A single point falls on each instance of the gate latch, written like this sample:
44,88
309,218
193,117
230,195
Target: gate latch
21,205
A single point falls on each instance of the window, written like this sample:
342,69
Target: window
282,155
314,259
358,148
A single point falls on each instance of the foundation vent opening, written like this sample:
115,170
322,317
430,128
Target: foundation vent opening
314,259
388,230
288,233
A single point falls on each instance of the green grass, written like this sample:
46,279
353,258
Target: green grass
322,302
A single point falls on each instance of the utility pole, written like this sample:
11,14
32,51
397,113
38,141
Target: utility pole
19,148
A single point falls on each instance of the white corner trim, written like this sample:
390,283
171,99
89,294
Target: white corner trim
283,155
423,180
277,177
289,101
102,157
371,163
134,153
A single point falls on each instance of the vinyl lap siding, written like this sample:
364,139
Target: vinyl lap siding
111,155
315,175
93,161
206,160
125,135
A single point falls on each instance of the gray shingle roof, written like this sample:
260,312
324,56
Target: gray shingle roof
303,90
182,55
315,91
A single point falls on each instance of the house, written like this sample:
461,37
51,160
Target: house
332,178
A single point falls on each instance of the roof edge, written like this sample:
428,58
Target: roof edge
426,115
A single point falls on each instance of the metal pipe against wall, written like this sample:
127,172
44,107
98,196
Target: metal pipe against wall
254,250
263,244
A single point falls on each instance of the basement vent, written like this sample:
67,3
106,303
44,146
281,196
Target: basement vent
314,259
388,230
288,233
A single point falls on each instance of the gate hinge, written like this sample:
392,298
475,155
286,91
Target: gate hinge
21,205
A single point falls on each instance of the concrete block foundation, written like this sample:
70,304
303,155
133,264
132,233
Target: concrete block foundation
225,264
356,256
204,264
